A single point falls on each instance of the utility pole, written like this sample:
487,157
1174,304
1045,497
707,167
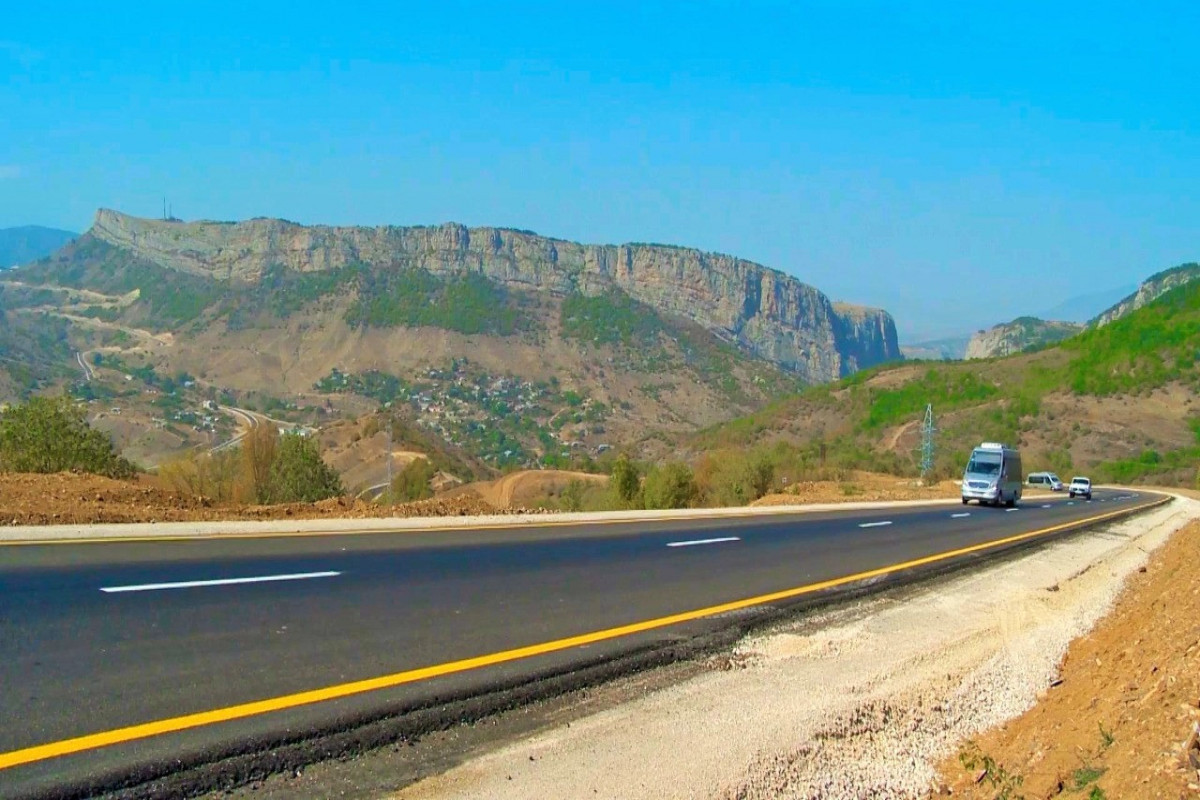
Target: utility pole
927,445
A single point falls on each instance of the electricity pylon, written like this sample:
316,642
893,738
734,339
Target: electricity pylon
927,445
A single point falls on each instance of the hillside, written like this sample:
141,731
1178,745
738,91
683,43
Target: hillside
765,313
30,242
517,349
1119,401
1152,288
1022,333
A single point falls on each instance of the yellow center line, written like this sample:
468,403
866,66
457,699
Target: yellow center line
188,721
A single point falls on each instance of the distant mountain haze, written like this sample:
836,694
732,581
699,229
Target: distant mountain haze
29,243
1086,307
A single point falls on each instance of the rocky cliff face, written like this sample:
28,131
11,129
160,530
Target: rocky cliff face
1151,289
770,314
1013,337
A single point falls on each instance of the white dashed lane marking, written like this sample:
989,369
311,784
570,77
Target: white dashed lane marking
693,542
151,587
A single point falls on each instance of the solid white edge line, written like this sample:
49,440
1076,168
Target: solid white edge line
692,542
150,587
874,524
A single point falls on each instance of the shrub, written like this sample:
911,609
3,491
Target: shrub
670,485
52,435
298,473
625,481
216,476
413,482
734,478
259,449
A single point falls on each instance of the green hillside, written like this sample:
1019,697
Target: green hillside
871,420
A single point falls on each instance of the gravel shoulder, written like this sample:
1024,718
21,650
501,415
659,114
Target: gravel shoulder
874,700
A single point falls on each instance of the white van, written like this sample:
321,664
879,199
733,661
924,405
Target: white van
993,475
1045,480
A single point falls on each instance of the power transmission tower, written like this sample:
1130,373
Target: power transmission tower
927,445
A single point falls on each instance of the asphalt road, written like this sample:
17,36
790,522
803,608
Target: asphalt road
97,638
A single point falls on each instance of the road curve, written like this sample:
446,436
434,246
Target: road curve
124,660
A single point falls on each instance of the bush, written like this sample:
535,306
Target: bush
625,482
259,449
734,478
216,476
413,482
671,485
52,435
299,475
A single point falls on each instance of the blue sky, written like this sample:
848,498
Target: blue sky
956,163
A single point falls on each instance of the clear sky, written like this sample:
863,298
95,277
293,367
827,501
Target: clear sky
956,163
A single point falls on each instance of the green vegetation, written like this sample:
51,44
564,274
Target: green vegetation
610,318
625,481
670,485
52,435
266,468
1155,345
167,299
468,303
944,388
412,483
298,473
34,351
282,292
998,400
1006,784
504,421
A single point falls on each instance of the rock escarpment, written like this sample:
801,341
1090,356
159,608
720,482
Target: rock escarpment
1020,334
769,314
1151,289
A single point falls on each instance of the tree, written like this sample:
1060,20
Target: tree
670,485
298,473
625,480
259,448
412,483
52,435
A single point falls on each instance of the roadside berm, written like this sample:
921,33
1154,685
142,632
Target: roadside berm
1073,668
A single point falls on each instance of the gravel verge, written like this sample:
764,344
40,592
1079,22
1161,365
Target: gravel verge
862,703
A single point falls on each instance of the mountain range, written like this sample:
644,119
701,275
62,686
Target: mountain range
513,343
30,242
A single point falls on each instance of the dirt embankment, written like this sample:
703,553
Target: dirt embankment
1127,699
527,487
68,498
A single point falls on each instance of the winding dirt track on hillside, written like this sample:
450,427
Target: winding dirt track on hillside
522,487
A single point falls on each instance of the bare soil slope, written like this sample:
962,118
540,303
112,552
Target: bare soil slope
527,486
67,498
1129,697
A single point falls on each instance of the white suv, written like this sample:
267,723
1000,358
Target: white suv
1081,487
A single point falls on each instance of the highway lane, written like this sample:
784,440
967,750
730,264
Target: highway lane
312,612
